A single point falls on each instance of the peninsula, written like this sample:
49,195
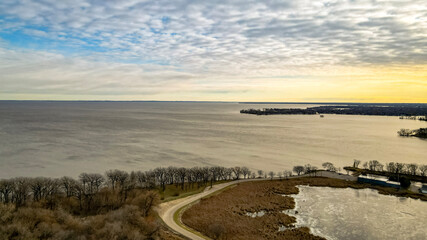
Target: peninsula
351,109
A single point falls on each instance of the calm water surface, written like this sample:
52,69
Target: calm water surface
67,138
359,214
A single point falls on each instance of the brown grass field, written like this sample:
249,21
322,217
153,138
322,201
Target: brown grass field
223,216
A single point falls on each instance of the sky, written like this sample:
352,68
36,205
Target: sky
287,50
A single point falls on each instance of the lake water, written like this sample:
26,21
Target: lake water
359,214
67,138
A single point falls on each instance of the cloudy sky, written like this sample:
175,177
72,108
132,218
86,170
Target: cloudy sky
305,50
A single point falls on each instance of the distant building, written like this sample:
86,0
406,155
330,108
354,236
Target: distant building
423,189
378,180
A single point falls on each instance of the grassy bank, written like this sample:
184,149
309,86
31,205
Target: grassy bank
223,216
174,191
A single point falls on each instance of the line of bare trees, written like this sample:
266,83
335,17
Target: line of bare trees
392,167
308,168
90,188
299,169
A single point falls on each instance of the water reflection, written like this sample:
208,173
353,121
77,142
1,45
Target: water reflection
359,214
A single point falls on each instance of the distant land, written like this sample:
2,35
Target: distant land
350,109
343,103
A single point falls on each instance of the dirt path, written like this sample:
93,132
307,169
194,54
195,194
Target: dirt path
167,210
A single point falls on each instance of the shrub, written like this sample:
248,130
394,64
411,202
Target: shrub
404,182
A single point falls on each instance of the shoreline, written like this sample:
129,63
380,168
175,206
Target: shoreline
305,180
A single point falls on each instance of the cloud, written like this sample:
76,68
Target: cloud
118,47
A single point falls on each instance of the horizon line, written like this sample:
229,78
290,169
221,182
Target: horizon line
189,101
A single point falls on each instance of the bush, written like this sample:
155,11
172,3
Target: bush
216,230
404,182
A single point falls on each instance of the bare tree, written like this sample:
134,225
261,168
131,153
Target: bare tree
412,168
205,175
365,165
182,174
97,180
308,168
245,172
298,169
140,178
423,170
6,189
112,177
329,166
146,201
260,173
37,187
43,188
380,167
280,175
399,167
150,179
160,174
237,172
228,172
222,173
117,177
91,182
170,174
20,191
67,184
373,165
391,167
122,179
52,187
271,174
78,192
287,173
356,163
213,174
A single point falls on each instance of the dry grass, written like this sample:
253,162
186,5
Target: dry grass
223,216
134,219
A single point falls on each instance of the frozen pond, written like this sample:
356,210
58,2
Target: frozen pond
347,213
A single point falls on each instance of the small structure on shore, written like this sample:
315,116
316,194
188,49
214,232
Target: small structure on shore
378,180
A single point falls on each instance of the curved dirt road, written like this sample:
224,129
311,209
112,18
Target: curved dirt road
167,210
